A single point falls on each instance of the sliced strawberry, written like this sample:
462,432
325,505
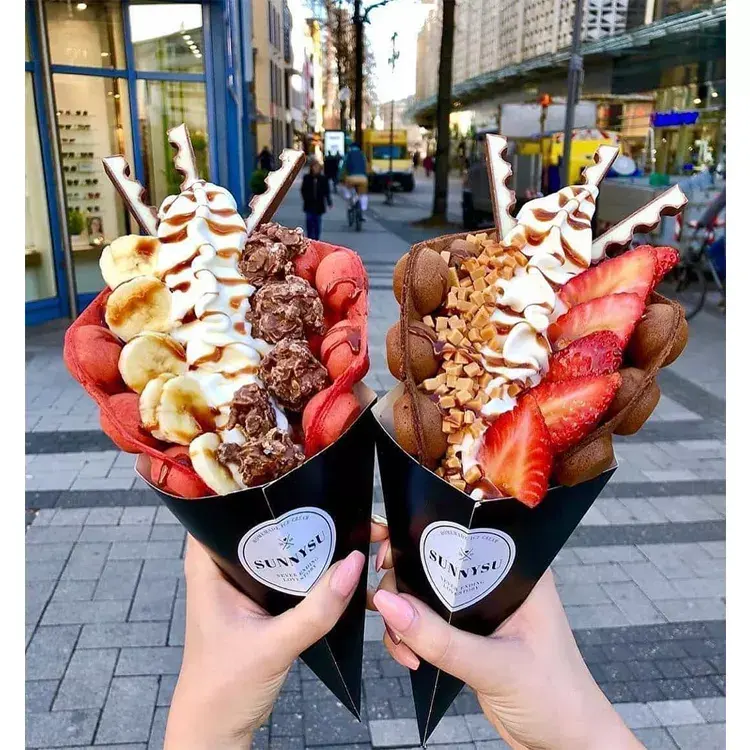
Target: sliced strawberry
596,354
516,454
616,312
633,271
572,408
666,259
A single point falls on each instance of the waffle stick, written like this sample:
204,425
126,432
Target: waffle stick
278,182
184,156
132,192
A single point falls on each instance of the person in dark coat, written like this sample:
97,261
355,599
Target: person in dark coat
265,159
331,169
315,196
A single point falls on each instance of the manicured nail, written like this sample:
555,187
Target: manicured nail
380,557
397,612
347,574
395,637
379,520
409,660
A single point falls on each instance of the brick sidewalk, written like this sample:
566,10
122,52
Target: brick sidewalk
642,578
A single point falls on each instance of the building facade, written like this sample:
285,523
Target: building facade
110,77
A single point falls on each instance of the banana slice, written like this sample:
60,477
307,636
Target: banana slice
149,355
183,412
148,404
214,474
128,257
140,304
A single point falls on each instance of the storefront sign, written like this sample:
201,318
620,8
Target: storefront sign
673,119
334,142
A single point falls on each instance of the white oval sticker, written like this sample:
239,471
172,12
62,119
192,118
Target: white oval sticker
290,553
464,566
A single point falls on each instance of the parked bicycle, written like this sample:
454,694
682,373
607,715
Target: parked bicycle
688,282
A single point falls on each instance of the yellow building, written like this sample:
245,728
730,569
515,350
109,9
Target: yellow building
272,63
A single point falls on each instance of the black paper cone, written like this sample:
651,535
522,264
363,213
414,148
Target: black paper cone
275,541
473,563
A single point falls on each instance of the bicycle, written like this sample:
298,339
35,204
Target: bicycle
389,191
354,210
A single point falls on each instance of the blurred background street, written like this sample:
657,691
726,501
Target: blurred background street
417,85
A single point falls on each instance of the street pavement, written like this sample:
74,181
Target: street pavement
642,578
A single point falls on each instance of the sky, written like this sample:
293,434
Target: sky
406,17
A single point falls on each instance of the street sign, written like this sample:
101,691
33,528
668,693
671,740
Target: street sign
334,142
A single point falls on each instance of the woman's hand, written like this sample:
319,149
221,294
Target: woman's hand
236,655
529,676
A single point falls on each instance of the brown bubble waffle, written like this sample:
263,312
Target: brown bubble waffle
578,463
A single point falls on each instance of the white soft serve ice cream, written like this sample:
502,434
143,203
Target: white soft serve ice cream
202,236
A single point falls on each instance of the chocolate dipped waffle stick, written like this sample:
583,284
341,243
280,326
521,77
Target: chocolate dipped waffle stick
645,219
184,157
500,171
263,206
603,160
132,192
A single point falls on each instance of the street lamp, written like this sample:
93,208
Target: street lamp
392,62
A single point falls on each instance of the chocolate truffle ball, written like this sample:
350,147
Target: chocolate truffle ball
435,441
586,463
680,342
429,280
652,334
423,361
292,375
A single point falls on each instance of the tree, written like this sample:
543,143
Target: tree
444,106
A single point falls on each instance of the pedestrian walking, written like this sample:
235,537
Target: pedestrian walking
429,163
331,165
315,196
265,159
416,159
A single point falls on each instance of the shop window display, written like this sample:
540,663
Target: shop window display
85,34
167,37
93,122
40,268
161,104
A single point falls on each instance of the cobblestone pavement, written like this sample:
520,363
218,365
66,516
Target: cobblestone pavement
642,578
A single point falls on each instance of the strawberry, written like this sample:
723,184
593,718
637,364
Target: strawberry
572,408
616,312
666,259
596,354
633,271
516,454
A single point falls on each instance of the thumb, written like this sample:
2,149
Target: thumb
455,651
298,628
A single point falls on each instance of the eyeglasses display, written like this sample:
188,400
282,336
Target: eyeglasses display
97,110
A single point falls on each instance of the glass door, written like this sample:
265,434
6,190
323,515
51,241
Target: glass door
122,74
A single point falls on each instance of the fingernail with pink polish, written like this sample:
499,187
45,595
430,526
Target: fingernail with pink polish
380,557
409,660
395,637
397,612
347,574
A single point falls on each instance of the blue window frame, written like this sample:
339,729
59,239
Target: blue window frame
229,153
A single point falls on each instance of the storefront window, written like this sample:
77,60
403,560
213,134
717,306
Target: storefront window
162,105
86,34
40,266
93,121
168,37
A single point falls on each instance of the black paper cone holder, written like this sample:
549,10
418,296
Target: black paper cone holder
474,563
288,532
